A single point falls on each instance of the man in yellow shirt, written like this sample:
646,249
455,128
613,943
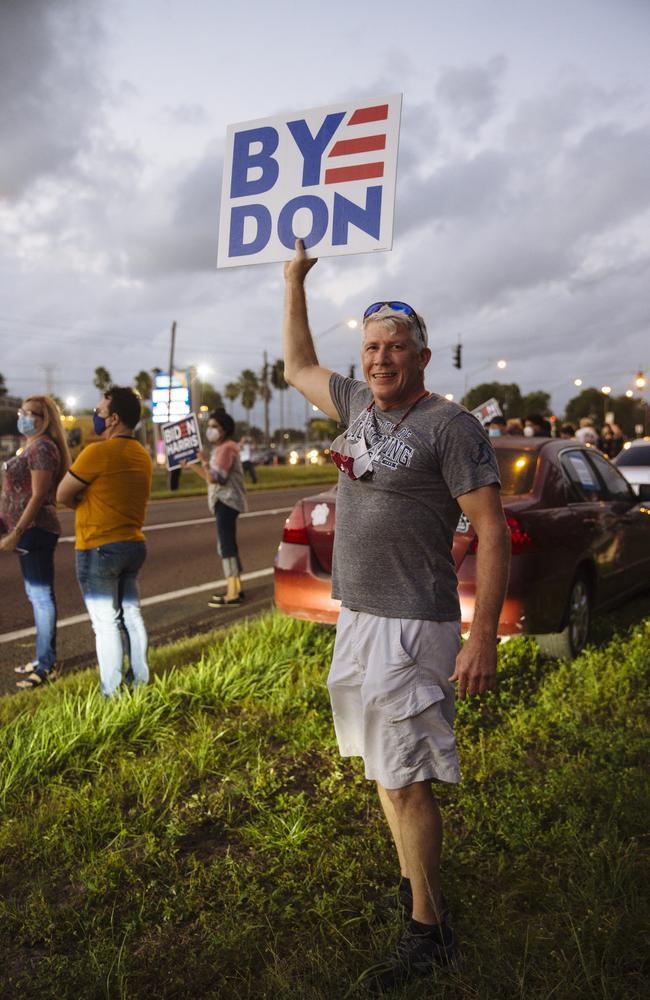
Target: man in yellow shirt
108,486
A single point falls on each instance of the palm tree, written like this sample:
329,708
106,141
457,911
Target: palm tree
143,385
264,392
102,378
279,382
232,392
248,389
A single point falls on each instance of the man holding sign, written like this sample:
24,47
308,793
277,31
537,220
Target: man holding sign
410,462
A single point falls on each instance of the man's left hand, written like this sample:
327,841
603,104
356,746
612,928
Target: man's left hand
476,667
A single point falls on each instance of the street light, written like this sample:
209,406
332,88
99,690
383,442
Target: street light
501,363
605,389
629,393
203,371
449,396
577,381
640,380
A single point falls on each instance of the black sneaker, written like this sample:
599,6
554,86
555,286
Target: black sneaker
415,955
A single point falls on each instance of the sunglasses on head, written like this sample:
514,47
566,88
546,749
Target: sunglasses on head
397,307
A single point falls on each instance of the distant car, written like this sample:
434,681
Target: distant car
268,456
634,463
580,543
311,455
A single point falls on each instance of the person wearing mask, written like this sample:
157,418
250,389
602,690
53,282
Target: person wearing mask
28,515
496,427
108,487
536,426
223,472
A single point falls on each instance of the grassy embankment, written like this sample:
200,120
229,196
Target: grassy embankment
269,477
203,839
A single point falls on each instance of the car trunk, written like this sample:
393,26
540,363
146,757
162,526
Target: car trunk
319,516
514,507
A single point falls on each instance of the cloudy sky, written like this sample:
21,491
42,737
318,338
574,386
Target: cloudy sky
523,194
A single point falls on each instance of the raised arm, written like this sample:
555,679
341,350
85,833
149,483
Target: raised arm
301,367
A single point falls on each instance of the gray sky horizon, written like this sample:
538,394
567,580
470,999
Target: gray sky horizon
523,198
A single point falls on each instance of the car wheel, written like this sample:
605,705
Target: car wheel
568,643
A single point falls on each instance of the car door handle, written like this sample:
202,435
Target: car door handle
589,520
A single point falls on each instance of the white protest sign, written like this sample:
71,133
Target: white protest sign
487,410
326,176
182,441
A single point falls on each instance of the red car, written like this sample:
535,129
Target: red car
580,543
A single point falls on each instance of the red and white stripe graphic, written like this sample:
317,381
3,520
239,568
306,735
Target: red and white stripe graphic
355,171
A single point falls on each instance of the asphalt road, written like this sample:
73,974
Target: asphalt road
181,572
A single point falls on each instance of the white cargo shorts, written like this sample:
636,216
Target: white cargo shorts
391,698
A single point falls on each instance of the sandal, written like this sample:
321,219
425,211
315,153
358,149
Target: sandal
33,680
26,668
222,602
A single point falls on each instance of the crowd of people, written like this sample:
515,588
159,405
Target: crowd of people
610,439
108,487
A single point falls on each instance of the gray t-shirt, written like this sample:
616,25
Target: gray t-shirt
394,529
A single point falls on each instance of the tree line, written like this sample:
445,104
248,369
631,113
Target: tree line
251,386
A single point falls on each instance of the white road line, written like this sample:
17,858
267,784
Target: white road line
198,520
172,595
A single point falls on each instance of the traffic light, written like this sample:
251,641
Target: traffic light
458,361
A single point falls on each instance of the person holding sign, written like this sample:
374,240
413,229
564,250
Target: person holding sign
224,474
410,461
108,486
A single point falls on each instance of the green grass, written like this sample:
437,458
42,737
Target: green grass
202,838
269,477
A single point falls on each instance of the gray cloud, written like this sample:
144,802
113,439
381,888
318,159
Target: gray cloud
49,86
186,114
471,93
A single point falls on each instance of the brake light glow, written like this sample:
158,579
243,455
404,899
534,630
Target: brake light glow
295,529
520,539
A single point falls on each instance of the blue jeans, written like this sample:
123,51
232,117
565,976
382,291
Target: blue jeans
107,577
226,518
37,565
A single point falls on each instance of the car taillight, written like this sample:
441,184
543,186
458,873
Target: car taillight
295,529
520,539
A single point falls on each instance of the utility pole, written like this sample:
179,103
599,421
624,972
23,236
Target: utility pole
171,370
175,474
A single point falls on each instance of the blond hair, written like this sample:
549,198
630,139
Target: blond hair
53,427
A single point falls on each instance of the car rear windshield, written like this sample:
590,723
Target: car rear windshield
634,456
517,471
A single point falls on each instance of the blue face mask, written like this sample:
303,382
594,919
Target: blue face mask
99,424
494,432
26,424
